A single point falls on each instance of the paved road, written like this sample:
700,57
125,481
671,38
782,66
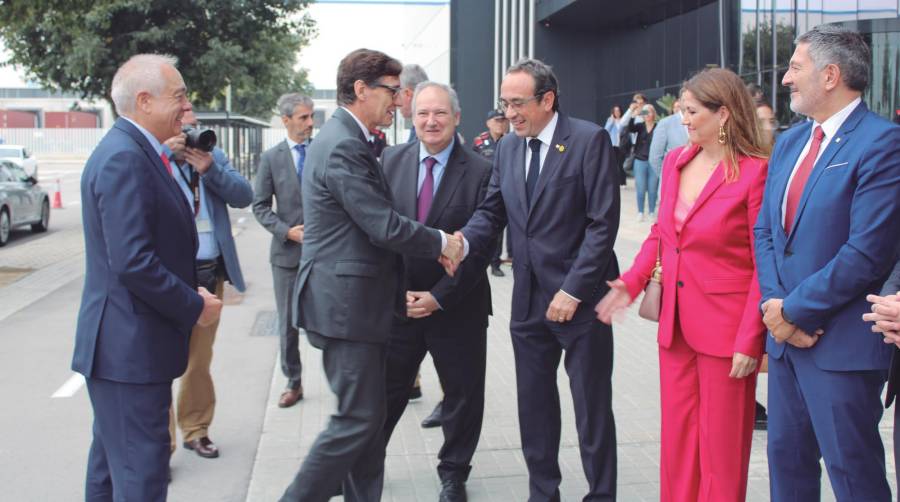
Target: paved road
44,440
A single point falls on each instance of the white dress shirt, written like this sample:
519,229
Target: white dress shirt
546,137
830,127
292,146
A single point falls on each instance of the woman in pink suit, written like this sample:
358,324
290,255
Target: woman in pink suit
711,334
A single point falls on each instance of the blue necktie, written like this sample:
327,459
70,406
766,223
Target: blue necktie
534,168
301,158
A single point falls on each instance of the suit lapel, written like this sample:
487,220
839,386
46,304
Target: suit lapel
791,156
712,184
289,168
453,174
841,138
158,167
409,181
551,162
518,172
670,198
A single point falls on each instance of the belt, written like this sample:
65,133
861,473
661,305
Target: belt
207,264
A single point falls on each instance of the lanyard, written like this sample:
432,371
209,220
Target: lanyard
194,184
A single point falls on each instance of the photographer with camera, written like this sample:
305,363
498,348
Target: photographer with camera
210,184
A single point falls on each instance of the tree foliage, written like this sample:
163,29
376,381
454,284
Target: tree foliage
77,45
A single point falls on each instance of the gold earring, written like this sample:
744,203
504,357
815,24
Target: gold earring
722,136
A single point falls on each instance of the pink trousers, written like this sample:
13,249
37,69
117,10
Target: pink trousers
707,426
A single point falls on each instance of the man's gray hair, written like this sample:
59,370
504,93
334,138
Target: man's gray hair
141,73
542,73
830,44
454,99
287,103
411,76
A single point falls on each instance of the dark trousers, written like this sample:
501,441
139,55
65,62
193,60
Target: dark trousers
283,279
459,355
350,451
495,260
588,360
897,446
815,414
129,456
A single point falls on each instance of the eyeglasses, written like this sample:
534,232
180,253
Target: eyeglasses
391,88
516,104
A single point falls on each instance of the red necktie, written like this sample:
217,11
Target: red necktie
426,194
795,192
165,160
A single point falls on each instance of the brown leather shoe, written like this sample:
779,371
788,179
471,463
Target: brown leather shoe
290,397
203,446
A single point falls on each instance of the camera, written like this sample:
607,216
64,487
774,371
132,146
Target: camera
201,139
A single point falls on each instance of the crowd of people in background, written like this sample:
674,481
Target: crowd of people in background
764,250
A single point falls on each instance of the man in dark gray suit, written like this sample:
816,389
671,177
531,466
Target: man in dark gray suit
279,176
555,183
349,285
440,182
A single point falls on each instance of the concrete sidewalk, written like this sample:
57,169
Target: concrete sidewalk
499,472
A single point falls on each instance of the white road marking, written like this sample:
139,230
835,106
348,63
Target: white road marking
241,220
72,385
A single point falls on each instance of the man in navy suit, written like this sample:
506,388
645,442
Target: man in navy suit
140,299
555,183
825,238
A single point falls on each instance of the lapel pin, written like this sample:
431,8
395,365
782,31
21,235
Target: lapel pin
561,148
837,140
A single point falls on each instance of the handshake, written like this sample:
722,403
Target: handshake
453,253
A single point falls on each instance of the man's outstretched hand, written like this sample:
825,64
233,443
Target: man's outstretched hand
453,253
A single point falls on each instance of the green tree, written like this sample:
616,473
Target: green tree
76,45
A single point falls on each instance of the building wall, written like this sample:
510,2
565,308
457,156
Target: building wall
601,68
472,61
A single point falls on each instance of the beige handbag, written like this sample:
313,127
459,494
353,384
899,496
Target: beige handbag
652,301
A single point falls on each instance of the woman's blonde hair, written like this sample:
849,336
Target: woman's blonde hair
718,87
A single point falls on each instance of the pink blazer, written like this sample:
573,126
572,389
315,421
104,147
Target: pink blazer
709,270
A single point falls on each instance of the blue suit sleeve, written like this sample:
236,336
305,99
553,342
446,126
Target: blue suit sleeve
127,207
223,179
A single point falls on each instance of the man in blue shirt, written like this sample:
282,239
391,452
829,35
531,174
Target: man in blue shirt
210,184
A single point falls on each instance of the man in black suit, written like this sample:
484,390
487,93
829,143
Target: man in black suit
886,316
278,178
555,183
440,182
349,285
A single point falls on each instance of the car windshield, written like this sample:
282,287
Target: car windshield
7,153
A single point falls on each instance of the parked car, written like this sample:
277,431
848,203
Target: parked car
21,157
22,201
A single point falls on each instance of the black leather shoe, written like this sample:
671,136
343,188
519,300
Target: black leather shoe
203,446
496,272
433,420
415,393
761,422
454,490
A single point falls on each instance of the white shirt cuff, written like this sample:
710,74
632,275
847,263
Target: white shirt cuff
570,296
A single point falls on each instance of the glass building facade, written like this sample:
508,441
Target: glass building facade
603,51
765,31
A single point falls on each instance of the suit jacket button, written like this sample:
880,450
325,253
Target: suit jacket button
680,284
677,251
